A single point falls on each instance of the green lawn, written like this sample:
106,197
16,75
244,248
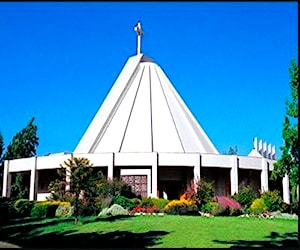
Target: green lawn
152,231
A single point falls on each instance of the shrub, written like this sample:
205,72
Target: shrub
22,207
189,210
290,208
64,210
215,208
222,205
218,209
285,208
208,207
272,200
88,210
182,210
7,209
147,202
123,201
258,206
235,211
114,210
181,207
295,207
204,193
42,209
136,201
245,196
39,210
160,203
227,202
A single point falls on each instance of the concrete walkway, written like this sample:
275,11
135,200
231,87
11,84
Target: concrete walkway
7,245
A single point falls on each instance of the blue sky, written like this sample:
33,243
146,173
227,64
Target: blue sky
228,61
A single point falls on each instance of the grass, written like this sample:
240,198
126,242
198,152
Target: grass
153,231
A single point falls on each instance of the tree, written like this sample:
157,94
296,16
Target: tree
17,188
1,148
24,143
79,188
289,161
231,151
1,161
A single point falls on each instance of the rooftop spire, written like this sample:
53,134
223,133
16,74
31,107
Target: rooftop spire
139,31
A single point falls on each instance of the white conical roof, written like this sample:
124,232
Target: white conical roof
144,113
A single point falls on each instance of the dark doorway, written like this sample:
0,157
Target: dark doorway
172,188
250,177
220,177
275,184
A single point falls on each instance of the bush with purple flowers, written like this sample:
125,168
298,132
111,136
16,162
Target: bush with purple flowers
232,207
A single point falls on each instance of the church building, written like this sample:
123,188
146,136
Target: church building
145,134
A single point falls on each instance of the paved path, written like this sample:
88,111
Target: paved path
7,245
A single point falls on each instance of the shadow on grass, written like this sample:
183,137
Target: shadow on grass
31,235
71,239
18,221
274,240
25,226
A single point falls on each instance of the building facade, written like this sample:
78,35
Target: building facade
145,134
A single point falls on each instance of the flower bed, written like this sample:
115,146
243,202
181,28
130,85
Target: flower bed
145,210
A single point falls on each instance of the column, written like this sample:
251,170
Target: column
260,147
264,185
32,181
110,168
154,176
197,172
6,180
264,150
273,152
269,151
234,175
36,184
286,189
255,143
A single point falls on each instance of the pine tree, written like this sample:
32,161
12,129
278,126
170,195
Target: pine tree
24,143
82,182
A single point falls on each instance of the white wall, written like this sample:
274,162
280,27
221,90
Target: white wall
24,164
135,159
98,159
178,159
210,160
51,161
250,162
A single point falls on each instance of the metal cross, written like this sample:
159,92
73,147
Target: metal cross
138,30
